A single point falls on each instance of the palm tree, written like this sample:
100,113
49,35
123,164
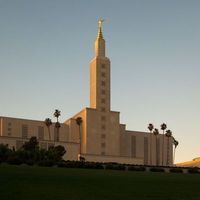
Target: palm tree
57,114
163,126
79,122
156,132
150,127
48,123
57,124
168,135
175,142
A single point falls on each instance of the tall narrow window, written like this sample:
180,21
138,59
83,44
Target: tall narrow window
103,101
103,109
24,131
40,133
103,126
146,152
103,136
103,92
133,146
103,83
158,151
103,118
103,66
9,128
103,144
103,74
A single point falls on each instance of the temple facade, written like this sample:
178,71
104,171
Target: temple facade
100,136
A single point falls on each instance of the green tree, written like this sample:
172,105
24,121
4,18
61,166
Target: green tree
79,122
156,132
55,154
31,145
150,127
175,143
5,152
163,127
168,135
48,123
57,114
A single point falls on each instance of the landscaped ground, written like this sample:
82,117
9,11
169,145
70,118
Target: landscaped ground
45,183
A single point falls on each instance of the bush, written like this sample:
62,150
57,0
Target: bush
79,164
176,170
93,165
193,170
62,164
156,169
46,163
115,166
71,164
137,168
14,160
5,152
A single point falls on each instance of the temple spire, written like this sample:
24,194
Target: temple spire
100,24
100,42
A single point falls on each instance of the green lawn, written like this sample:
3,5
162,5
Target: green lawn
27,183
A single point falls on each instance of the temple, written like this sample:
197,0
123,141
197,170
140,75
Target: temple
99,137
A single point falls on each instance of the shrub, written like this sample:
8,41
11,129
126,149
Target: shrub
5,152
136,168
115,166
194,170
93,165
46,163
156,169
176,170
14,160
62,164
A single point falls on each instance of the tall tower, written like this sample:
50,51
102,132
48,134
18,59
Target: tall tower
100,75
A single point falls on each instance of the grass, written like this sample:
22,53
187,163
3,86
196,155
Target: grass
45,183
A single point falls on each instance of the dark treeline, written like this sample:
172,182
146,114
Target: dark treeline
31,154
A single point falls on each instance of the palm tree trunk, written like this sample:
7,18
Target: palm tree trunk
174,155
163,148
150,148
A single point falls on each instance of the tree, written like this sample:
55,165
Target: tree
175,143
57,124
48,123
31,145
60,150
163,126
5,152
168,135
79,122
55,154
150,127
29,152
156,132
57,114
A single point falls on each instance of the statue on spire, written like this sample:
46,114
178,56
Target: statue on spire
100,23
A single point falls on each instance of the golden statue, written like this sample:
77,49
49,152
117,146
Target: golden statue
100,23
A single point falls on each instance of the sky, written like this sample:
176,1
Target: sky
154,48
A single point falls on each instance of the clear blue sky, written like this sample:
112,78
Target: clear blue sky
154,47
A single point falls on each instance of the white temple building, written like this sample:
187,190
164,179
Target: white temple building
100,137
